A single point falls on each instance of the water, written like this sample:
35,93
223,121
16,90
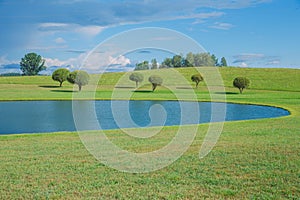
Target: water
54,116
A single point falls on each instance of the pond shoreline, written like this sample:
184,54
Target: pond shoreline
89,107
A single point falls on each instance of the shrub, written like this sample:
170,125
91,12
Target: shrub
155,80
241,83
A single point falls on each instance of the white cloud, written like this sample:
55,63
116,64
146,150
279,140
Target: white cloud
222,26
121,60
273,62
255,59
243,65
243,57
59,40
54,62
200,18
101,62
4,60
89,30
95,62
64,27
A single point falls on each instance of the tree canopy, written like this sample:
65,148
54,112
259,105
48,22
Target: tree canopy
155,80
190,60
197,78
241,83
154,64
79,78
223,62
32,64
60,75
142,66
136,77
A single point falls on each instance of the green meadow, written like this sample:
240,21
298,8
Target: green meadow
255,159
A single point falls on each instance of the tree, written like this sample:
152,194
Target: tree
32,64
154,64
241,83
223,62
167,63
79,78
189,61
197,78
177,61
60,75
203,59
142,66
155,80
215,59
137,78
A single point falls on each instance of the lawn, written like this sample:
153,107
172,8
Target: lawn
257,159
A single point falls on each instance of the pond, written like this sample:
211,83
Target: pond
55,116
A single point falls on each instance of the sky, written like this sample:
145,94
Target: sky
248,33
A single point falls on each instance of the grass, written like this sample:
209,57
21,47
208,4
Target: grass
257,159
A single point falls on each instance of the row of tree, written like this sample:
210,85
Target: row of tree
191,60
32,64
156,80
137,77
240,82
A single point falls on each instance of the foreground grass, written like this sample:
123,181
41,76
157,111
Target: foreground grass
256,159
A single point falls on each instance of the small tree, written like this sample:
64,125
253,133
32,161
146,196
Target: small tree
241,83
32,64
79,78
154,64
142,66
155,80
223,62
197,78
215,59
60,75
137,78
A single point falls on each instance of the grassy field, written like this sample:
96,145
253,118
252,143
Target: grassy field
257,159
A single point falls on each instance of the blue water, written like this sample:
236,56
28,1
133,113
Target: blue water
54,116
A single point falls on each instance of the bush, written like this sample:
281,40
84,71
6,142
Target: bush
241,83
155,80
79,78
197,78
137,78
60,75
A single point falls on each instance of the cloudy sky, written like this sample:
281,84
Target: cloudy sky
249,33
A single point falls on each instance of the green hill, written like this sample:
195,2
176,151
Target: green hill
254,159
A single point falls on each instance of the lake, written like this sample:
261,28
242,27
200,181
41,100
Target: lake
55,116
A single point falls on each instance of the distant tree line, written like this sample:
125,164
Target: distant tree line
190,60
11,74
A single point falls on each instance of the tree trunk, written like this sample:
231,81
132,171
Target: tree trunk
241,90
79,86
136,84
153,87
60,84
197,83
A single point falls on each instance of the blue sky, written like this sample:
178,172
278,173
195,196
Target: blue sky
249,33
